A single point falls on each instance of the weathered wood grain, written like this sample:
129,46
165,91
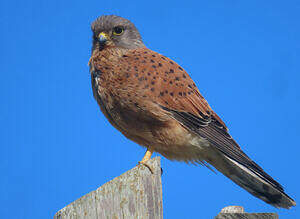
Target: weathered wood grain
135,194
237,212
247,216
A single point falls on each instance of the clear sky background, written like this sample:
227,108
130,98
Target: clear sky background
55,144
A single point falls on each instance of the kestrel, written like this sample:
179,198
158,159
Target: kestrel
155,103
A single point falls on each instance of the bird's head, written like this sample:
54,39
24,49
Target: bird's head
114,31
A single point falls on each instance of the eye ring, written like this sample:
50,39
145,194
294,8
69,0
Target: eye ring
118,30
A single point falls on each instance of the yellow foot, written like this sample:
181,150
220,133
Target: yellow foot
147,157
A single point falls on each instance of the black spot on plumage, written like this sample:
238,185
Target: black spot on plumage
136,75
159,64
152,89
172,94
180,68
166,102
161,93
184,76
153,55
177,78
171,82
153,66
152,82
171,62
190,86
171,70
152,60
180,93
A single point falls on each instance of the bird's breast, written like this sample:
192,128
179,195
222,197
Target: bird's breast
130,94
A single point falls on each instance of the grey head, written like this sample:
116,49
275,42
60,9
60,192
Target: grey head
115,31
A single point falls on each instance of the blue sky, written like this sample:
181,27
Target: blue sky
56,145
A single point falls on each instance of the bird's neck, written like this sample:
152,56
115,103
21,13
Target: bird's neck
109,53
106,57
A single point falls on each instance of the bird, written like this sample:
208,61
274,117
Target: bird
153,101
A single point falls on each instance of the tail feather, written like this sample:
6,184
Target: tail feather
253,182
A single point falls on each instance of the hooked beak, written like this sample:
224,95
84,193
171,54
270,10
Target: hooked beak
103,37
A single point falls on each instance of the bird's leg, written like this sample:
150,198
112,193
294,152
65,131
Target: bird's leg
147,157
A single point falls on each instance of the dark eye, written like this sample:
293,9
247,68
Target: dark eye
118,30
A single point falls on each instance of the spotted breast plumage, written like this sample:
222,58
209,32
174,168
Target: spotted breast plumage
154,102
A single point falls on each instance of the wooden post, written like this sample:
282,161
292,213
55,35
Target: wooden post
237,212
135,194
